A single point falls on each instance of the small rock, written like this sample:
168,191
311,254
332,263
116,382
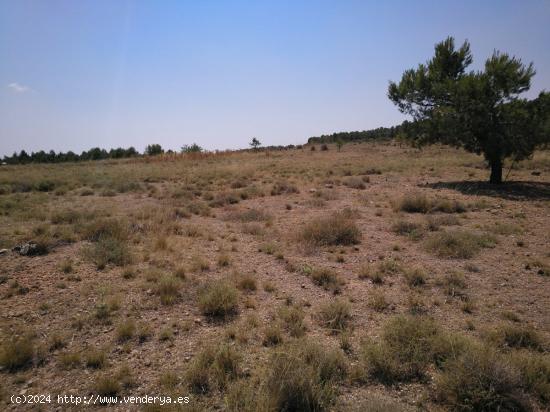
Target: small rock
312,190
198,321
29,249
3,251
540,272
528,266
22,392
329,186
535,173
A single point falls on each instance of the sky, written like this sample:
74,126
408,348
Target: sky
88,73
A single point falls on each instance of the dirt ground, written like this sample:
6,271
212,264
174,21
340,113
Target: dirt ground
54,298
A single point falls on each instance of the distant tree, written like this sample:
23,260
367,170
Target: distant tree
194,148
131,152
339,144
255,143
153,149
480,111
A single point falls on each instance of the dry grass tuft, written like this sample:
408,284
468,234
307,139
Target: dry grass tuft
338,228
328,279
335,315
218,299
458,244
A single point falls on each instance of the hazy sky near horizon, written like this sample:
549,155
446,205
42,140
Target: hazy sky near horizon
80,74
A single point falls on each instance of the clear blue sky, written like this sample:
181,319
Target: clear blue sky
78,74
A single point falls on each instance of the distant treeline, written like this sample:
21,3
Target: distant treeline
379,133
155,149
52,157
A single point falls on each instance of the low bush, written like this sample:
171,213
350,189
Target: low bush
408,345
273,335
453,284
377,301
218,299
535,372
516,336
250,215
303,377
436,221
108,250
369,272
95,358
327,278
214,367
419,203
415,277
246,283
336,229
481,380
335,315
412,230
167,288
283,187
17,353
125,331
293,320
458,244
355,183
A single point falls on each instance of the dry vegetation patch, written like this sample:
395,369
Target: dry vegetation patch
336,293
338,228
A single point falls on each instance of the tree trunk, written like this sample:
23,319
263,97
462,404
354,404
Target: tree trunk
496,171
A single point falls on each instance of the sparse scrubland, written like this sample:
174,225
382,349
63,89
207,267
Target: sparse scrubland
363,277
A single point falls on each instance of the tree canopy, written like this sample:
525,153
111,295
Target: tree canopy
255,143
480,111
154,149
